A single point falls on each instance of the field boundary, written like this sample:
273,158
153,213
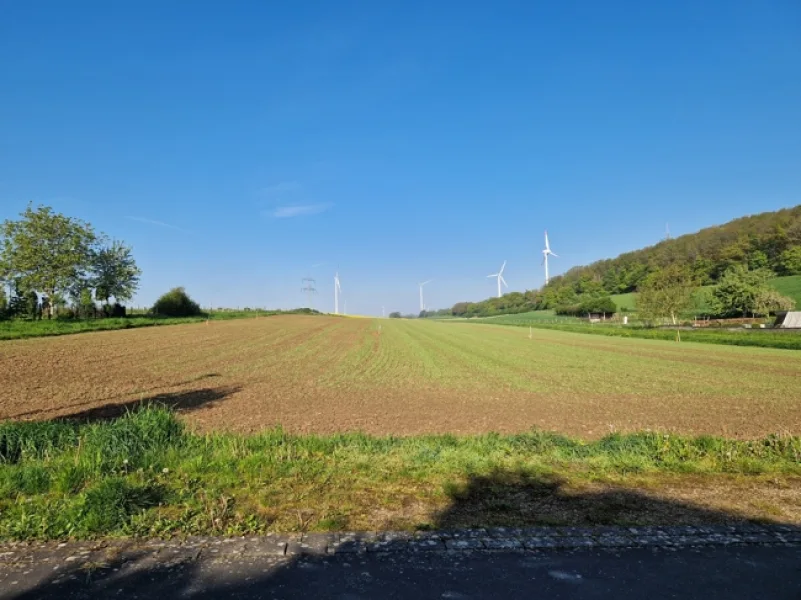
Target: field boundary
755,338
94,553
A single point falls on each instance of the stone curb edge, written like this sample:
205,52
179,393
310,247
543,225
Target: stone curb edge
483,539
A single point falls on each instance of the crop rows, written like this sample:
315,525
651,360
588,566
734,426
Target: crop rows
325,374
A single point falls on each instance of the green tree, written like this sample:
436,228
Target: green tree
176,303
16,303
757,260
31,304
665,294
770,302
790,261
739,290
3,301
45,251
394,315
86,304
114,273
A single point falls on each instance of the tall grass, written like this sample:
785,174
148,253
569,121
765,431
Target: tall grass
145,474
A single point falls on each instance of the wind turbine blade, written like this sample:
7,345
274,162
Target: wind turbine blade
547,245
552,254
503,266
493,275
544,258
504,281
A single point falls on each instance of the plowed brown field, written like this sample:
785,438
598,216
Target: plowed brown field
325,374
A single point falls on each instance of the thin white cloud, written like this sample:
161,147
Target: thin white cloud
156,223
299,210
279,189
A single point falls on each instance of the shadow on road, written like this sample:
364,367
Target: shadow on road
503,498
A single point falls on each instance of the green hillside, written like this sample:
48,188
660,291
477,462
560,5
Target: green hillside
625,302
767,241
789,286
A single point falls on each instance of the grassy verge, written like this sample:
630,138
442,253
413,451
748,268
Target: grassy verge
145,475
20,328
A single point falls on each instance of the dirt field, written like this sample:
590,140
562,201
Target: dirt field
324,374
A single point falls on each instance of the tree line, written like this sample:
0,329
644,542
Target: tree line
48,260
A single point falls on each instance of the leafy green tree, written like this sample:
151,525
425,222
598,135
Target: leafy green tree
32,310
114,273
176,303
790,261
86,304
739,290
16,303
757,260
770,302
665,294
45,251
394,315
3,301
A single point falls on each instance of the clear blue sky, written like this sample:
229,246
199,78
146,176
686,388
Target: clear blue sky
237,144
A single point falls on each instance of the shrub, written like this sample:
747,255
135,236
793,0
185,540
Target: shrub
114,310
67,314
176,303
603,304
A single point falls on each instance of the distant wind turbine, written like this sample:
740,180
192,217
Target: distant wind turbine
423,304
499,275
337,292
545,253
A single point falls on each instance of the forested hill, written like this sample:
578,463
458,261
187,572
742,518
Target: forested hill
769,240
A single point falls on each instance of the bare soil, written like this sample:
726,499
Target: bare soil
326,374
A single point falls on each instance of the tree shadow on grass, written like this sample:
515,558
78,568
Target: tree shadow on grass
181,402
503,498
520,499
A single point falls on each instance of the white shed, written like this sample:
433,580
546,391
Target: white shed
789,320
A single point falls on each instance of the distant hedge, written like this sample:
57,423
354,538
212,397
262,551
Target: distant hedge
176,303
603,304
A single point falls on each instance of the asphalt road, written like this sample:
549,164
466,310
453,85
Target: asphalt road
751,572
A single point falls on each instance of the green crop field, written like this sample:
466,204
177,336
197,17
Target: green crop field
526,318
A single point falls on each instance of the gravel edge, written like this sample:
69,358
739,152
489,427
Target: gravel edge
467,540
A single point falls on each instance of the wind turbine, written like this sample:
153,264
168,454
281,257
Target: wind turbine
423,304
499,275
545,254
337,292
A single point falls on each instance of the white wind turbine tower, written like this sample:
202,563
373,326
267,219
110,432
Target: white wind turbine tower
423,304
337,292
499,275
545,253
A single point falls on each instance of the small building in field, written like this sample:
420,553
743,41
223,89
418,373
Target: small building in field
788,320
